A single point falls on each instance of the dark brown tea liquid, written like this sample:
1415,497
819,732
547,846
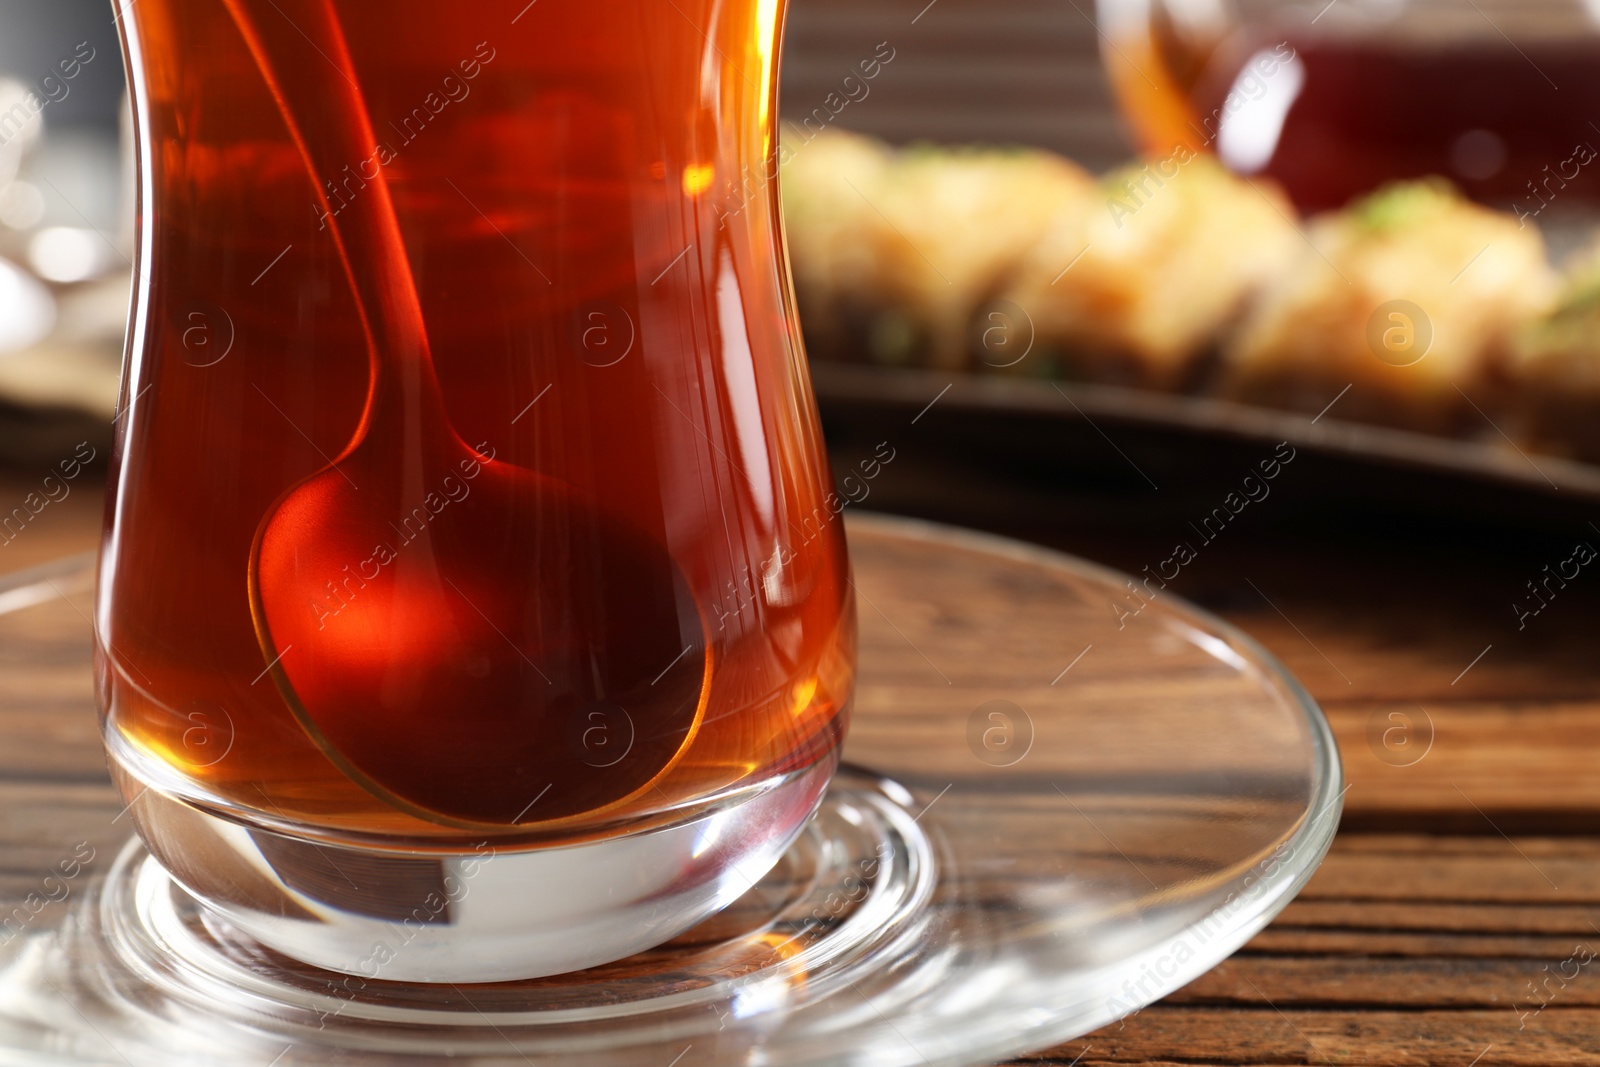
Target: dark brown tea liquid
469,482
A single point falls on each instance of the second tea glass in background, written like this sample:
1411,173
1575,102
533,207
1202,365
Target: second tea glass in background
1334,99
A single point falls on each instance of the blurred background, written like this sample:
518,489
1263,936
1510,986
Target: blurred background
65,225
65,202
1106,407
1114,400
1250,184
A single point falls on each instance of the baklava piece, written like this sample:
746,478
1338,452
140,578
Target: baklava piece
1136,285
902,249
1554,373
960,220
1411,296
834,236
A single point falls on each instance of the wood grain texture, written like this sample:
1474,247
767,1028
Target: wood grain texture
1463,880
1444,913
1461,884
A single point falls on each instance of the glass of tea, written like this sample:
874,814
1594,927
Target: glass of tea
472,605
1335,99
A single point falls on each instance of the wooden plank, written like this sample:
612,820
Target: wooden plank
1432,915
1267,1035
1491,762
1524,870
61,528
1404,629
1507,984
1365,944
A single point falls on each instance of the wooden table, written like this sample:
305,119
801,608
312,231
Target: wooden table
1459,883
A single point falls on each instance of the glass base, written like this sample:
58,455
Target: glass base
1076,803
147,972
483,914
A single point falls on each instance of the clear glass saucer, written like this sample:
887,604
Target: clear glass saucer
1067,793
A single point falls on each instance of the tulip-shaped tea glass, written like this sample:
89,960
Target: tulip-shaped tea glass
471,603
475,634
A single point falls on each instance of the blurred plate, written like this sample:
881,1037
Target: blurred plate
852,393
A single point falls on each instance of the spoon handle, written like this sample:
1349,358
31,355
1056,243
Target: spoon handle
301,51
